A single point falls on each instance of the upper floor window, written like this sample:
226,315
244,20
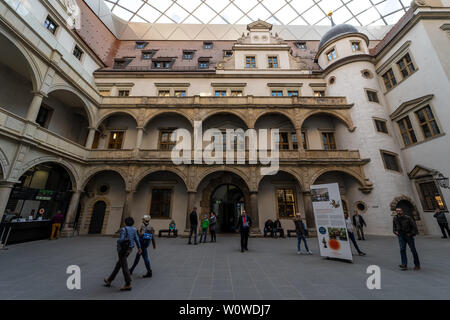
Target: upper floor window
188,55
50,25
147,55
430,196
407,131
372,96
44,115
220,93
115,140
162,64
77,52
292,93
294,140
381,126
329,142
319,93
141,45
389,79
236,93
301,45
124,93
227,53
304,140
164,93
390,161
356,46
165,142
331,55
277,93
283,140
250,62
406,65
207,45
427,122
180,93
203,64
273,62
105,92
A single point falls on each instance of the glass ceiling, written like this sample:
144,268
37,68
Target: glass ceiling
281,12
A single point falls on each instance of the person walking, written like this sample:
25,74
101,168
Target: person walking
302,233
359,223
193,218
125,244
405,228
205,225
351,235
56,225
146,235
212,226
442,222
244,224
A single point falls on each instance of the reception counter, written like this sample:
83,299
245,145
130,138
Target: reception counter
26,231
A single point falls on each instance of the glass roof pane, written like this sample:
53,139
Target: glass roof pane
292,12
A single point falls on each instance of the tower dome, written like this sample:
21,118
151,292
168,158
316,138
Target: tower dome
335,32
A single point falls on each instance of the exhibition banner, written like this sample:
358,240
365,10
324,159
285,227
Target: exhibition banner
330,222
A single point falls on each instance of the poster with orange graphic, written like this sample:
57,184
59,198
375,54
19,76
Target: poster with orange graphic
330,222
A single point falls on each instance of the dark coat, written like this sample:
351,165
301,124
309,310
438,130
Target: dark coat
193,218
300,228
277,225
212,223
440,217
268,225
404,225
360,222
241,223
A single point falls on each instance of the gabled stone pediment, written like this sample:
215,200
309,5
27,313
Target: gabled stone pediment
421,171
405,107
259,25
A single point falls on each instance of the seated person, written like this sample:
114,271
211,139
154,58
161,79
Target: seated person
268,228
172,227
278,228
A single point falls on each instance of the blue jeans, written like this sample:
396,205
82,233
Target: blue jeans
351,235
203,235
144,246
193,232
299,241
403,240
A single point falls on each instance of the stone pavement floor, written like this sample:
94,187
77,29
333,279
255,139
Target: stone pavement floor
270,270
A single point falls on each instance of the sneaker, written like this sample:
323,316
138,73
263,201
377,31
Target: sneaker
126,287
361,253
299,252
417,268
403,267
148,274
107,282
310,252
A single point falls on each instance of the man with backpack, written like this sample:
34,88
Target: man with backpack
125,244
405,228
302,233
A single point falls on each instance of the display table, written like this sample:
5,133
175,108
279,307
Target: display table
26,231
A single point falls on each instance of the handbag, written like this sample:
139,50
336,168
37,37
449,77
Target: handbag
147,236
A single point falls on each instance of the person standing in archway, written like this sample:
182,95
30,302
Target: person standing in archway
405,228
244,224
193,218
56,225
212,226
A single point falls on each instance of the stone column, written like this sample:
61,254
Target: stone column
71,213
90,138
34,107
5,191
127,207
309,212
298,131
140,133
255,214
190,207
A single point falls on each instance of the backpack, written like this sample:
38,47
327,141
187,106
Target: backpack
125,245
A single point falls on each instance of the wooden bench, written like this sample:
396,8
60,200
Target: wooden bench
290,232
175,232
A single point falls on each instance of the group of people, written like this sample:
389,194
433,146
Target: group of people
207,222
273,228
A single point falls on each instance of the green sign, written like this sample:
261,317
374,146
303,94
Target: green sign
44,195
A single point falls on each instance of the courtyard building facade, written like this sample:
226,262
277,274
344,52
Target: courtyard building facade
87,119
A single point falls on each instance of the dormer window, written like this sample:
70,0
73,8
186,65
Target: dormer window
301,45
141,44
121,63
207,45
162,63
227,53
147,55
203,63
188,55
331,55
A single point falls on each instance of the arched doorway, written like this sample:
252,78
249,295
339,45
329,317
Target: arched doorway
98,215
227,202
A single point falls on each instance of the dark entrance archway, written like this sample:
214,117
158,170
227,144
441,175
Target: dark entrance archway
227,202
98,215
408,209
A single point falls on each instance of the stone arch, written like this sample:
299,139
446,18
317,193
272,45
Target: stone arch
90,209
346,120
116,112
163,112
86,104
403,197
149,171
71,170
211,113
290,172
277,112
91,173
4,164
33,69
206,173
358,178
